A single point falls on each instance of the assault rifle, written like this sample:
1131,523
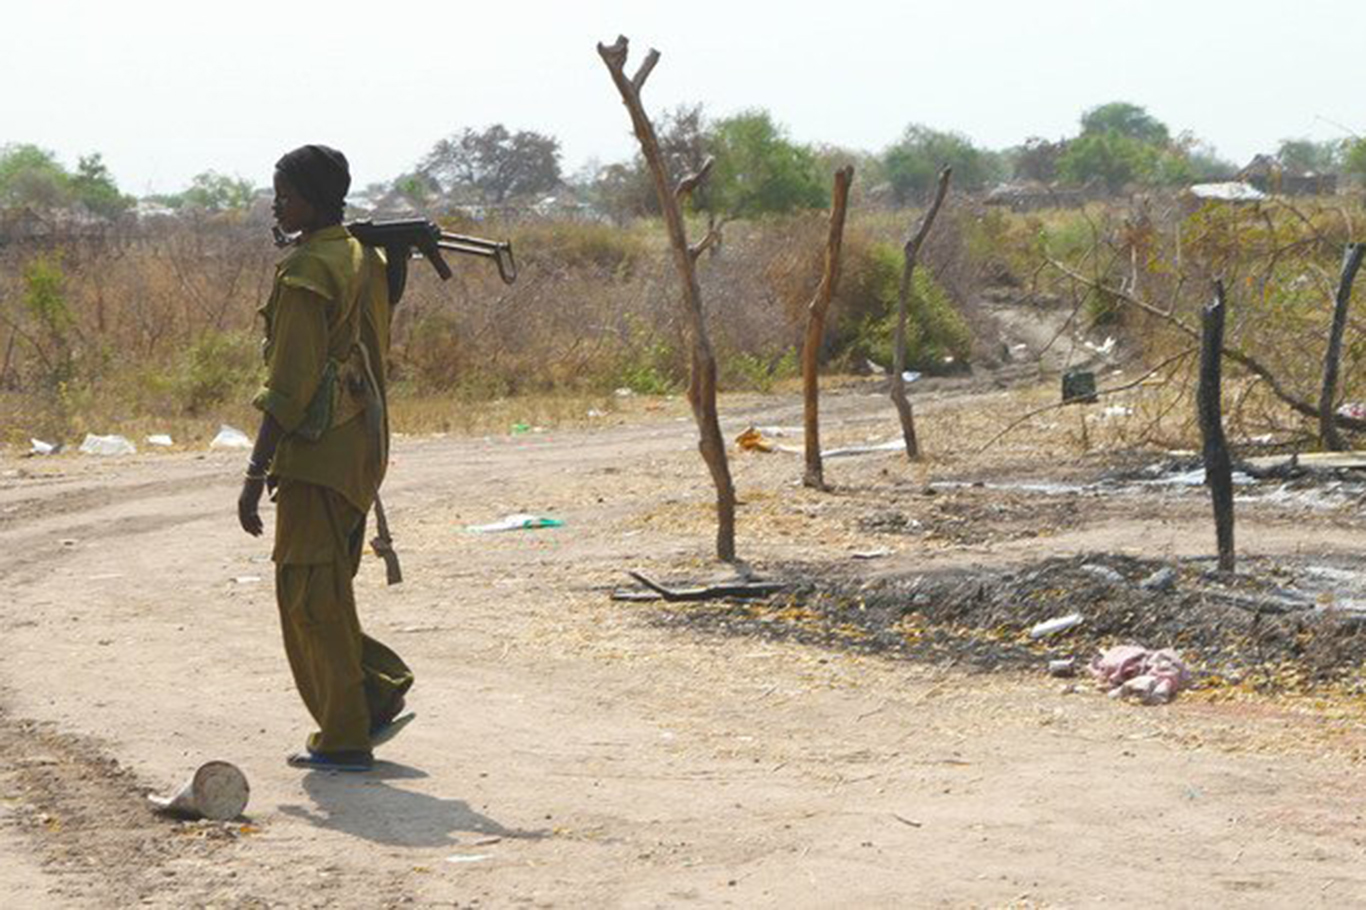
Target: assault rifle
409,238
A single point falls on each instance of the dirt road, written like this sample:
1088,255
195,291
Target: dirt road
568,753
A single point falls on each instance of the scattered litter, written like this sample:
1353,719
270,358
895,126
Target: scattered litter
752,440
1055,625
1104,573
1163,579
875,367
1063,669
624,392
107,445
68,541
1153,677
1116,410
488,841
160,439
246,579
217,790
736,589
517,522
879,553
520,428
1353,409
912,375
230,438
594,413
467,857
1104,348
44,448
890,445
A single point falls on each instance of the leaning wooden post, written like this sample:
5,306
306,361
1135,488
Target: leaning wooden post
1329,436
1218,465
702,376
815,327
912,253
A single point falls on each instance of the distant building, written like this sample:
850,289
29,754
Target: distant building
1033,196
1271,177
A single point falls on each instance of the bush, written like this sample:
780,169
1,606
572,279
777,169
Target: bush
938,339
580,244
219,367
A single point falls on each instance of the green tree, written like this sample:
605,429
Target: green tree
94,188
1131,121
32,176
1354,159
215,192
496,164
1109,157
912,165
1305,156
759,170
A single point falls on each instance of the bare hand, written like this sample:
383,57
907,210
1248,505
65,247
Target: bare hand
248,506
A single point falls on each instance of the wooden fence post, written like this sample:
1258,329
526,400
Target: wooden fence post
911,253
1218,465
1329,436
702,375
815,328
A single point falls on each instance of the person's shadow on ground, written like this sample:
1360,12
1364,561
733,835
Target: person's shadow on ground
366,806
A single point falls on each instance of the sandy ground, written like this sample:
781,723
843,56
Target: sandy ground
568,753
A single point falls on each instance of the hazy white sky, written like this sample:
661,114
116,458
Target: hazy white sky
166,90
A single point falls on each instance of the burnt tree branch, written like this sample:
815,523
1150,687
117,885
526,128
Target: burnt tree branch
1351,264
911,254
1218,464
703,373
815,328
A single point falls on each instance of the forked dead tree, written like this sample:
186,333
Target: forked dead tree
912,254
815,327
1328,431
702,378
1209,402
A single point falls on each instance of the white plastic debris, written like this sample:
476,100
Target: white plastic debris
42,448
1055,625
516,522
911,375
160,439
107,445
1104,573
624,392
1064,668
230,438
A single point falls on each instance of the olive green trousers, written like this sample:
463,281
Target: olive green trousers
344,676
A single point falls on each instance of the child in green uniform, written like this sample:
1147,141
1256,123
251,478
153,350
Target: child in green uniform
324,441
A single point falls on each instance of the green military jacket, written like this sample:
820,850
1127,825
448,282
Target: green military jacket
327,338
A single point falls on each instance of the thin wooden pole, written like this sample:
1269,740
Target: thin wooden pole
911,253
702,376
815,328
1329,436
1218,464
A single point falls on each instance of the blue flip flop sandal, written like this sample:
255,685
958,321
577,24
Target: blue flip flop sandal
332,761
387,731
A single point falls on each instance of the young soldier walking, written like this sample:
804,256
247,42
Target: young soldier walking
323,444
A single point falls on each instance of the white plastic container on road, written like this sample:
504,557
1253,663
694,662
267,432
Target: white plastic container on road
107,445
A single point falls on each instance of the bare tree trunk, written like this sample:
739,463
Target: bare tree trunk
1218,465
815,327
912,253
1328,431
702,379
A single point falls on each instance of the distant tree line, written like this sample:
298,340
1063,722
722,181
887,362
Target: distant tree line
759,169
